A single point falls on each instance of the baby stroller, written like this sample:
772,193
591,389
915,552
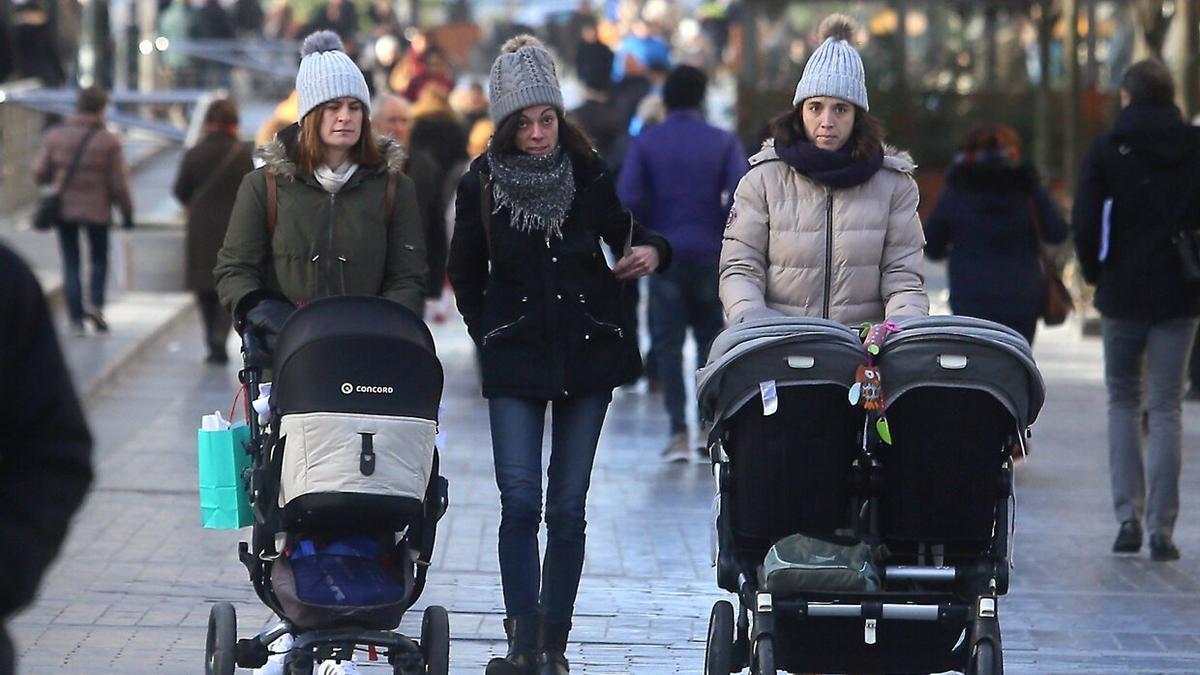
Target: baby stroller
345,490
792,456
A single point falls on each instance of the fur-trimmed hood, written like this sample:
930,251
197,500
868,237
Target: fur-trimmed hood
893,158
279,154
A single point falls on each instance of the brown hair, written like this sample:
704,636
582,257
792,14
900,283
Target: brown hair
311,150
866,137
91,99
222,111
572,138
991,139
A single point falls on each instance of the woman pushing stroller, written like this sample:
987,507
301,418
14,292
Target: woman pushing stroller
547,318
307,224
825,222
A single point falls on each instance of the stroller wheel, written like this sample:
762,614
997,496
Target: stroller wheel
435,640
987,659
718,653
764,657
220,647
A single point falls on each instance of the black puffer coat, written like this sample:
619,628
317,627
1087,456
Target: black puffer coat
1149,166
548,317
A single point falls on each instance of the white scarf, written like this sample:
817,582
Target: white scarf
333,179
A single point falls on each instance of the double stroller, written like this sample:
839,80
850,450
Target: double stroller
928,492
345,491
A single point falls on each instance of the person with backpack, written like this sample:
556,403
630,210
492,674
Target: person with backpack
329,212
1138,190
547,315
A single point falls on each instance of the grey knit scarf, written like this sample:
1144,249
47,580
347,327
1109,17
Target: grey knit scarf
538,190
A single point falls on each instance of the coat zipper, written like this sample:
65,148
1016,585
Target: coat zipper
828,251
329,252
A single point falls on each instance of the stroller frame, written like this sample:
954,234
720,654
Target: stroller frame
428,655
944,595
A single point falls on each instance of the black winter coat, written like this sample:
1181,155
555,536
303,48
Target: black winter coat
548,317
45,448
984,222
1149,166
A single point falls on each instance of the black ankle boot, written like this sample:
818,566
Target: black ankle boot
553,660
522,632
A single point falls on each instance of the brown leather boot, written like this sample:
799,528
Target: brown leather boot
522,632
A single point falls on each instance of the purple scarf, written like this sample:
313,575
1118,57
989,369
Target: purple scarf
832,168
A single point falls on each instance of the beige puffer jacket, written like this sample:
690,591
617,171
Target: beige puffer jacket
795,247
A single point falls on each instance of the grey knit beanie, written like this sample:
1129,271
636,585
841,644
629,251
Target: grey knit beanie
835,68
327,72
522,76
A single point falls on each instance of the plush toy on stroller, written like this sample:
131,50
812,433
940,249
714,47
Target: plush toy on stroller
864,493
345,491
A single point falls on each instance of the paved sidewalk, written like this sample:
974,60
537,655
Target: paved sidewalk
132,590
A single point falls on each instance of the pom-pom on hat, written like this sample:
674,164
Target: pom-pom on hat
327,72
522,76
835,68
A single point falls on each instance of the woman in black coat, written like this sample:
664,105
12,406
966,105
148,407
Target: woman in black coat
546,313
986,221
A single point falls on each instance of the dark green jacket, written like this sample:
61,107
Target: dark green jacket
324,244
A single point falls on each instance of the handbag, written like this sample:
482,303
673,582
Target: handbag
1057,304
49,208
223,463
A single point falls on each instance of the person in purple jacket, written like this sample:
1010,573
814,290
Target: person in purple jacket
679,178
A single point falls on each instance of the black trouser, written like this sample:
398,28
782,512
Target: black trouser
217,321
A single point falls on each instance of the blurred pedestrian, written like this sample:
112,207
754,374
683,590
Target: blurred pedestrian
680,177
437,130
596,115
392,116
279,23
544,310
99,182
33,42
248,18
1139,186
825,222
991,221
329,168
44,443
339,16
207,185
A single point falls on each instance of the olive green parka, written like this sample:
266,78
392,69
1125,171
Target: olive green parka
323,244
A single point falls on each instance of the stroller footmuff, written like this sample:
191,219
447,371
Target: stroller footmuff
851,549
345,489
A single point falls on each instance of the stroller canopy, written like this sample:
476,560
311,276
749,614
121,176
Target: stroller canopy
356,354
959,351
786,350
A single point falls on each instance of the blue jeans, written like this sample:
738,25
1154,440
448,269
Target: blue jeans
517,426
684,295
68,243
1146,361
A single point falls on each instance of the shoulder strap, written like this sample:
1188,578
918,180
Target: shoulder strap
272,203
485,208
75,161
212,178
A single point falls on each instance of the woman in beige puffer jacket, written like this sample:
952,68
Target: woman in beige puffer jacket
825,222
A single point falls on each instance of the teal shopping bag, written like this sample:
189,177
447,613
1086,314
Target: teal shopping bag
224,498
